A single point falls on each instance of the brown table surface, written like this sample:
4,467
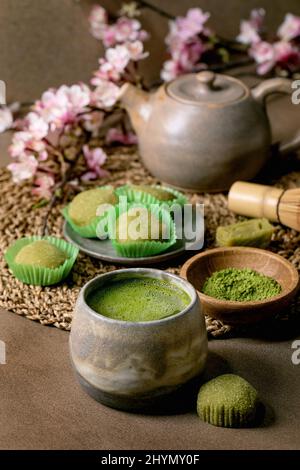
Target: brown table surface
43,407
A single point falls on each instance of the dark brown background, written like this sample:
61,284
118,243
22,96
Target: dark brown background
45,43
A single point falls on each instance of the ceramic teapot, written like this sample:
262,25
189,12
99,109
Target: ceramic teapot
204,131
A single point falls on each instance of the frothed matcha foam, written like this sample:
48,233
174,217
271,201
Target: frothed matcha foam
139,299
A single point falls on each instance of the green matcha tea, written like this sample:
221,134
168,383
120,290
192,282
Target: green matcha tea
139,299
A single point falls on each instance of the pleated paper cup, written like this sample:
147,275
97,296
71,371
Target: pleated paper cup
37,275
140,196
143,248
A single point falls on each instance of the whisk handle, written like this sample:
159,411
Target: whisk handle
255,200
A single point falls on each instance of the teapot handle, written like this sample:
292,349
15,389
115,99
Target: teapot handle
277,85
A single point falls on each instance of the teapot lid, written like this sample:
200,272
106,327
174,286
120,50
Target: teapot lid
206,88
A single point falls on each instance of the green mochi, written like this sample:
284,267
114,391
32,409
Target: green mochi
228,401
41,253
83,207
148,226
159,193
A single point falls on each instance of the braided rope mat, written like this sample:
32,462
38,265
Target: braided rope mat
54,305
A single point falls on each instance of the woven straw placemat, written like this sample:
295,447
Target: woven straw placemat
54,305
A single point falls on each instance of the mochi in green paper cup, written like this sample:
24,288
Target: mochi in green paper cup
151,194
141,230
82,210
41,261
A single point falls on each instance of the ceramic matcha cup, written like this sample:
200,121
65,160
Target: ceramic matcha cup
133,365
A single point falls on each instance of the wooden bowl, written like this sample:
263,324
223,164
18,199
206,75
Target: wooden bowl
197,269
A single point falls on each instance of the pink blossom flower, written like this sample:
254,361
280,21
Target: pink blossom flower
184,43
190,25
61,106
116,135
264,55
287,55
136,50
44,184
290,28
19,143
23,142
94,158
98,21
250,30
106,94
36,126
23,169
78,97
281,53
52,106
112,67
127,29
109,36
118,57
184,59
6,119
190,55
106,71
124,30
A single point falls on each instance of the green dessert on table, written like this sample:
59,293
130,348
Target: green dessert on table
41,261
158,192
242,285
41,253
140,230
254,232
228,401
148,226
83,211
138,299
151,194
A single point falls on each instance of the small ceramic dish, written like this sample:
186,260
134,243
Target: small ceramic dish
197,269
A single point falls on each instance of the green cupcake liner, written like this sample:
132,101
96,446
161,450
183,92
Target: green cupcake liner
86,231
145,198
139,249
37,275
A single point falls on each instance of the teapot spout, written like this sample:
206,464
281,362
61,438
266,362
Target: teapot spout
137,104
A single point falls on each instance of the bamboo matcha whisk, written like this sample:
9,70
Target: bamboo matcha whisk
275,204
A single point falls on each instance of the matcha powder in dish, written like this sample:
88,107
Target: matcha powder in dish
241,285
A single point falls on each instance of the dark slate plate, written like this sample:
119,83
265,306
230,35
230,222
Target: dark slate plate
104,250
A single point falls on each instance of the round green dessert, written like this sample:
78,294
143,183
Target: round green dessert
161,194
228,401
139,224
41,253
241,285
153,194
139,299
83,208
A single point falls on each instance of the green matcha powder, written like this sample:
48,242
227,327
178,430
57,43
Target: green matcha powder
242,285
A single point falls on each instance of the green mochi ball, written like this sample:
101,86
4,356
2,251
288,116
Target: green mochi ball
228,401
148,226
83,207
41,253
159,193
